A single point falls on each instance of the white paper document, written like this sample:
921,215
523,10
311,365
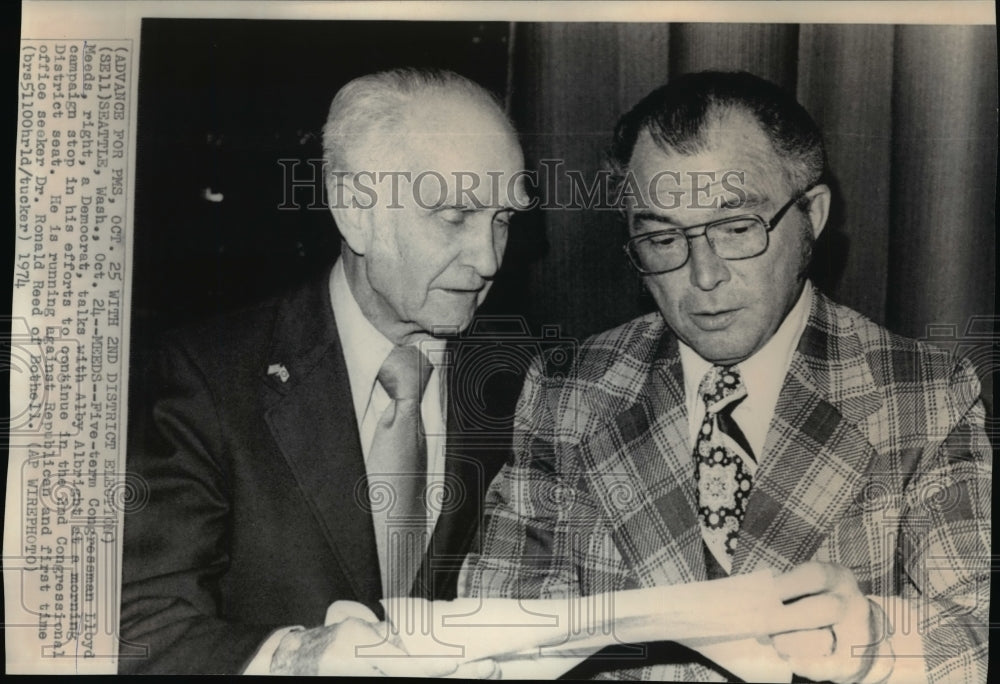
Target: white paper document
728,620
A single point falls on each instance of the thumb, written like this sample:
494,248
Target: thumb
342,610
418,666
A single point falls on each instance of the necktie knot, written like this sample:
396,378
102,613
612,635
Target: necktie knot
404,373
722,386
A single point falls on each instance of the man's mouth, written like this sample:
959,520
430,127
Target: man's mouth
464,288
462,292
718,319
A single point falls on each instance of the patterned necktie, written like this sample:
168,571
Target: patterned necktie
397,471
721,456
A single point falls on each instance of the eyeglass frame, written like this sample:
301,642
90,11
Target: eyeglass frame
685,231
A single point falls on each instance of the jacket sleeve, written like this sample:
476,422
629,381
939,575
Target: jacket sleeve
521,552
945,540
176,541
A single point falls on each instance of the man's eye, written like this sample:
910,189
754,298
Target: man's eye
667,240
502,219
734,229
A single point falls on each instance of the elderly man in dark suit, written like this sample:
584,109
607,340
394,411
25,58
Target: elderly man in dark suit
751,423
302,452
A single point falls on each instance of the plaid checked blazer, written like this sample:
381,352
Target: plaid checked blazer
876,458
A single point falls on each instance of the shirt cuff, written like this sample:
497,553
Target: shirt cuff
260,664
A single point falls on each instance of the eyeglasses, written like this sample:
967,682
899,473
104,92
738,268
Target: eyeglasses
735,238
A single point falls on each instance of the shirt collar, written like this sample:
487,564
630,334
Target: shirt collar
365,348
763,373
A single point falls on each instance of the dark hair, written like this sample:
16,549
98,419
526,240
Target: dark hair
676,115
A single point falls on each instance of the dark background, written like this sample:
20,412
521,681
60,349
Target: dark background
220,103
908,113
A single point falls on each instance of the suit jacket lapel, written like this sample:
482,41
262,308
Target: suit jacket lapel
466,478
639,467
815,453
473,456
311,416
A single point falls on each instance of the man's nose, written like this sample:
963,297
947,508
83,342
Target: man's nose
481,251
708,269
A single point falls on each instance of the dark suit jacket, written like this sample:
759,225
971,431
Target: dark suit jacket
876,458
256,513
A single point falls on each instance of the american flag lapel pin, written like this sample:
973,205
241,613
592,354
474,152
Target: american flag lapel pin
279,370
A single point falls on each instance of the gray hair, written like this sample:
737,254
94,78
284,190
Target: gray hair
369,111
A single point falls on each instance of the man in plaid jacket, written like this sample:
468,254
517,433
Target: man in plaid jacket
854,465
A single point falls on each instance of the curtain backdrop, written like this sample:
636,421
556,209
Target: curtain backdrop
908,112
909,115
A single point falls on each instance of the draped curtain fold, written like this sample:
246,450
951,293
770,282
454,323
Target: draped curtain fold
909,115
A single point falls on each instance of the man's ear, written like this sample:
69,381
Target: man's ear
349,212
819,208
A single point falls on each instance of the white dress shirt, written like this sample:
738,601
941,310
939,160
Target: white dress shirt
763,374
365,349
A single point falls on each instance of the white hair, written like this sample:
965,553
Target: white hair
368,113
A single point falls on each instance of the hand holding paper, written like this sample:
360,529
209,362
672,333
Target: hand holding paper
717,617
354,643
815,612
830,616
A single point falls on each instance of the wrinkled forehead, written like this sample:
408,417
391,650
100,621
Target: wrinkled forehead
457,128
460,187
462,149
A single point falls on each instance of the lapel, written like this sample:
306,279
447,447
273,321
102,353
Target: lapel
639,468
816,450
474,454
311,417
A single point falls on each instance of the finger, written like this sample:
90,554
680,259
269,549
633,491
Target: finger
810,653
362,649
858,630
806,579
362,640
341,610
419,666
805,644
348,667
478,669
352,652
817,669
812,612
